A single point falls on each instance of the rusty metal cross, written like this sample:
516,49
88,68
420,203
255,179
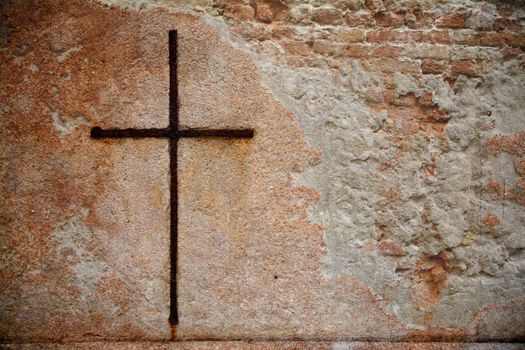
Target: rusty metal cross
173,133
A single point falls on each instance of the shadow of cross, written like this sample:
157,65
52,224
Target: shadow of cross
173,133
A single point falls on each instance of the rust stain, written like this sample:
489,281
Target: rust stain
430,277
491,220
515,146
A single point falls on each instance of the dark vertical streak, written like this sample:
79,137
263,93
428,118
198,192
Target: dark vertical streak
174,205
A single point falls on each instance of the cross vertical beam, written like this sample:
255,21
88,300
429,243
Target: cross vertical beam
173,134
174,180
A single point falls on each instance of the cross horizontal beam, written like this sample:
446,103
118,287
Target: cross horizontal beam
98,133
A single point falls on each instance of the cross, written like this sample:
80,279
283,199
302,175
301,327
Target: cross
173,134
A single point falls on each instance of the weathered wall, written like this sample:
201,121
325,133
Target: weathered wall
382,197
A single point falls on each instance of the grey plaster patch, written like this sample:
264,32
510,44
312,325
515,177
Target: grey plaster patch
65,55
336,119
71,240
66,126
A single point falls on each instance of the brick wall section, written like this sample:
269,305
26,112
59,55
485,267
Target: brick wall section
446,40
409,38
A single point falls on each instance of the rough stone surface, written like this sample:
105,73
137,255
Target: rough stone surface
381,198
264,345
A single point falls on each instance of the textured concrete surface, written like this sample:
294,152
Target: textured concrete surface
382,197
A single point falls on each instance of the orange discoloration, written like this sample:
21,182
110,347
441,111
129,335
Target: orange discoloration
173,332
515,146
389,193
429,279
491,220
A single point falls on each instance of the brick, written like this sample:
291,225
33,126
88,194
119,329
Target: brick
466,37
283,32
427,51
389,19
263,13
359,19
295,47
374,95
432,37
256,31
426,99
280,11
327,16
240,12
419,19
456,20
499,39
355,50
392,65
387,51
510,52
303,61
387,35
467,68
507,25
326,47
429,66
404,36
436,37
350,35
374,5
504,11
352,5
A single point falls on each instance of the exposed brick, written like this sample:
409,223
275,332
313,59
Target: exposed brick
263,13
240,12
283,32
467,68
403,36
295,47
467,37
280,10
305,61
352,5
433,37
326,47
374,96
507,25
374,5
355,50
419,19
510,52
426,99
393,65
387,51
499,39
456,20
354,19
387,35
430,66
255,31
504,11
327,16
350,35
427,51
389,19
